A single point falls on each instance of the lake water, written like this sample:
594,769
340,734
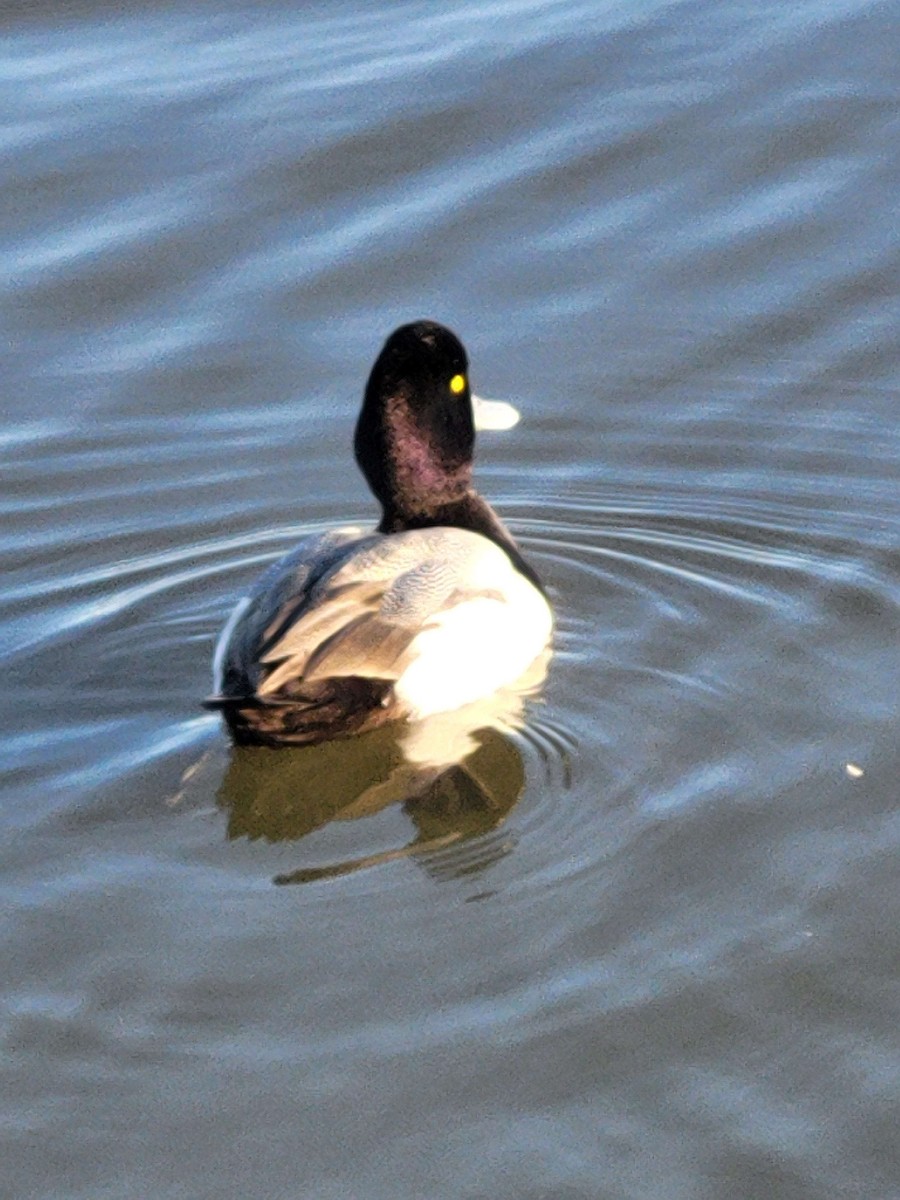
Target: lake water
648,947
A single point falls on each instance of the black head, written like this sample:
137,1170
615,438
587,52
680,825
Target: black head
415,436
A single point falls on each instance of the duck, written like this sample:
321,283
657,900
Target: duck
432,611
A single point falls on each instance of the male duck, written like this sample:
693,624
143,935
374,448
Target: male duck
434,610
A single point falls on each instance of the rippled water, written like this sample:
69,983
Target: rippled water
646,946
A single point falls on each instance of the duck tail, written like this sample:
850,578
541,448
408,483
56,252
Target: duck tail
314,712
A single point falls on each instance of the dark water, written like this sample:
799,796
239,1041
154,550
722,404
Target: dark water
648,947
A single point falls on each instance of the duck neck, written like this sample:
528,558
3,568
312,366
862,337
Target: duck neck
468,511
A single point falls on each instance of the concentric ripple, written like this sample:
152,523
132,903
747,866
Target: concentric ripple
695,641
691,637
685,633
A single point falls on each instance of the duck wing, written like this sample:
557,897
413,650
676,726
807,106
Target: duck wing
279,597
363,619
399,625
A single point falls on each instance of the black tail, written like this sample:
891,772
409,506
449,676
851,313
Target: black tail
319,712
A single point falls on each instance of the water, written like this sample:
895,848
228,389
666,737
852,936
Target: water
654,953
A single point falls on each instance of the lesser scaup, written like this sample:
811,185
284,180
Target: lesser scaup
434,610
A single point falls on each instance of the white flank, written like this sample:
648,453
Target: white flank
474,648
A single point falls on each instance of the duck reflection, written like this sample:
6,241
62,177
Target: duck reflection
457,775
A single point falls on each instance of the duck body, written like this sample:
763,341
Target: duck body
430,612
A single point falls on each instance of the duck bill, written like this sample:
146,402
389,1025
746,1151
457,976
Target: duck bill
493,414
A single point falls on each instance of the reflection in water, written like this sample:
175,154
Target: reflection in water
457,776
669,231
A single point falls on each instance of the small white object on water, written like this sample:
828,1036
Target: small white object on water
854,771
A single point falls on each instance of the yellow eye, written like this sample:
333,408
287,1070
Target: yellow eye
457,384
